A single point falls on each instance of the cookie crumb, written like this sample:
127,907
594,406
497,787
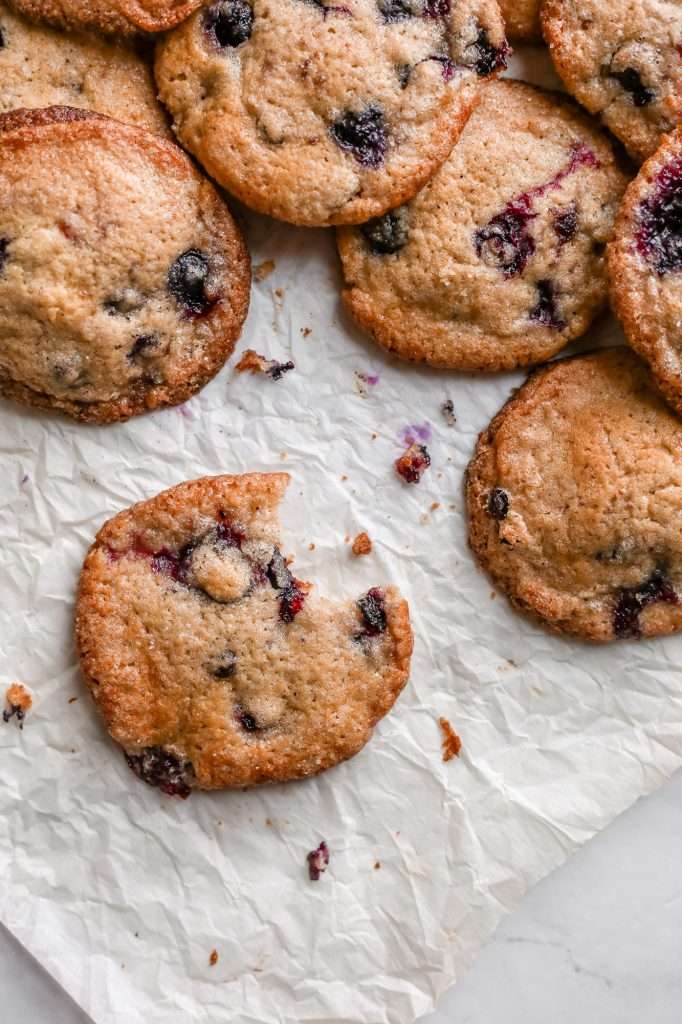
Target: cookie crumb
268,822
412,464
448,411
452,744
318,861
344,477
311,546
377,865
253,362
306,331
362,545
72,700
19,702
264,270
346,539
213,959
279,292
434,505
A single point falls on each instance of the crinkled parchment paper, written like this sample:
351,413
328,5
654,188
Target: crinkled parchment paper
122,893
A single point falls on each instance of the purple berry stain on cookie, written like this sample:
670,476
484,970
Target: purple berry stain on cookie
505,241
545,310
224,665
229,22
318,861
498,504
363,134
292,592
487,57
373,610
631,81
388,234
395,10
143,346
659,237
565,223
633,600
187,282
158,767
436,8
227,534
245,719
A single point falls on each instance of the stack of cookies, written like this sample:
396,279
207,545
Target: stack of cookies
482,225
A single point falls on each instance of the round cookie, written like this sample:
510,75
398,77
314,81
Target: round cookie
212,665
120,17
645,266
522,18
320,113
124,281
621,60
575,499
498,261
42,67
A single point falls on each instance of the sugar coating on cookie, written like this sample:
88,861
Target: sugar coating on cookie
645,266
118,17
522,18
124,281
575,499
623,61
43,67
498,261
322,113
212,664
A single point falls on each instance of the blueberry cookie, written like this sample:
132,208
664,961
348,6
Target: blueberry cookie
212,664
498,261
42,67
623,60
522,18
124,281
575,499
321,113
645,266
120,17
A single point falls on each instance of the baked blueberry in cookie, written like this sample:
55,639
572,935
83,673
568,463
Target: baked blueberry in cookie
42,67
575,499
621,60
326,113
118,17
103,314
499,261
645,266
212,664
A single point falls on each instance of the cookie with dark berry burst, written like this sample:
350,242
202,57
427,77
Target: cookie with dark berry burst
321,112
119,17
124,281
212,664
498,261
575,499
645,266
622,61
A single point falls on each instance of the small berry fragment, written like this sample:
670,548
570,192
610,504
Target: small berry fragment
436,8
229,22
633,600
143,347
19,703
363,134
659,238
224,665
632,83
158,767
395,10
388,234
187,283
253,362
448,411
565,223
318,861
245,719
498,504
489,58
292,592
545,311
413,463
373,610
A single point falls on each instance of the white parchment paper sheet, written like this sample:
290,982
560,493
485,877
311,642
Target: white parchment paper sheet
122,893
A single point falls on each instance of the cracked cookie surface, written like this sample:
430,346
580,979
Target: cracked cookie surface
645,266
623,61
575,499
498,261
321,113
43,67
212,664
124,281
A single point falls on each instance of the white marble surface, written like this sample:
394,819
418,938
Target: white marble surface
599,941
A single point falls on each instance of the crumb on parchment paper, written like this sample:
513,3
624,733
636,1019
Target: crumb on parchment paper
452,744
264,269
412,464
362,545
252,362
306,331
213,958
448,411
19,703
